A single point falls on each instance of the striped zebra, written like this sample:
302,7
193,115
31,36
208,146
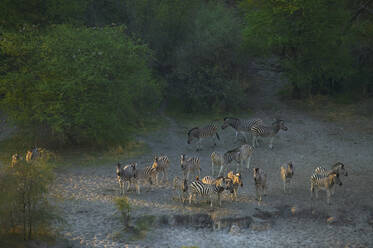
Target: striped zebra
267,132
207,190
144,176
188,165
127,174
338,168
208,180
260,179
217,159
204,132
287,172
241,155
240,126
325,183
161,164
181,187
236,181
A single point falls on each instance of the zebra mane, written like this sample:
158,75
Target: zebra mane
233,118
338,164
192,130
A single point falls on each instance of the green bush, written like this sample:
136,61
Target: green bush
124,208
76,85
314,40
24,206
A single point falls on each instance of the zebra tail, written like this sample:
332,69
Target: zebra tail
217,136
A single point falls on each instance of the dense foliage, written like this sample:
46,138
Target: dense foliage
76,85
319,42
87,71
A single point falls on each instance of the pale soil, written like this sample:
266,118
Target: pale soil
93,221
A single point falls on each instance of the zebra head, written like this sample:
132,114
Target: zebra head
280,124
229,121
256,174
238,179
193,133
118,168
340,168
185,185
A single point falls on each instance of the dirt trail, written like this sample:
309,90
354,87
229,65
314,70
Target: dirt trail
92,219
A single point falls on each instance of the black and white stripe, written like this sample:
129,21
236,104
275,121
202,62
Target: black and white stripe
144,176
325,183
127,174
207,190
241,155
260,179
188,165
267,132
241,126
161,164
211,130
337,167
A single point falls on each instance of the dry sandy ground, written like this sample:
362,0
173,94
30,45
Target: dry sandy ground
93,221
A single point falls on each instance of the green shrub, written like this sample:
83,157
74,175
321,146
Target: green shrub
124,208
76,85
24,206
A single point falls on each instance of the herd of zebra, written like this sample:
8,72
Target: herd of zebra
211,186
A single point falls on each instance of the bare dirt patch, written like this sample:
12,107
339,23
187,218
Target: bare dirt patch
281,220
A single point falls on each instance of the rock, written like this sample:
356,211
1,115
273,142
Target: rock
294,210
235,229
331,220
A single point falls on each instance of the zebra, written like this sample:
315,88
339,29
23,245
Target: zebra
236,181
209,190
15,159
324,182
145,175
190,164
208,180
217,159
241,155
267,132
287,172
181,187
126,175
161,164
260,179
338,167
33,154
204,132
240,126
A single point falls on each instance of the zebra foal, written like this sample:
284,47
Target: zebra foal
338,168
204,132
267,132
260,180
188,165
287,172
181,187
325,183
240,126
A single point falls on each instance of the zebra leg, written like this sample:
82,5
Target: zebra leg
248,162
254,140
199,144
284,186
190,198
221,169
328,197
165,171
271,143
138,188
212,168
187,176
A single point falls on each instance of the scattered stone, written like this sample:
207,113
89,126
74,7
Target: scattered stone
235,229
331,220
294,210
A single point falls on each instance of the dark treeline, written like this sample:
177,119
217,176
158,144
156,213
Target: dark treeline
89,71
